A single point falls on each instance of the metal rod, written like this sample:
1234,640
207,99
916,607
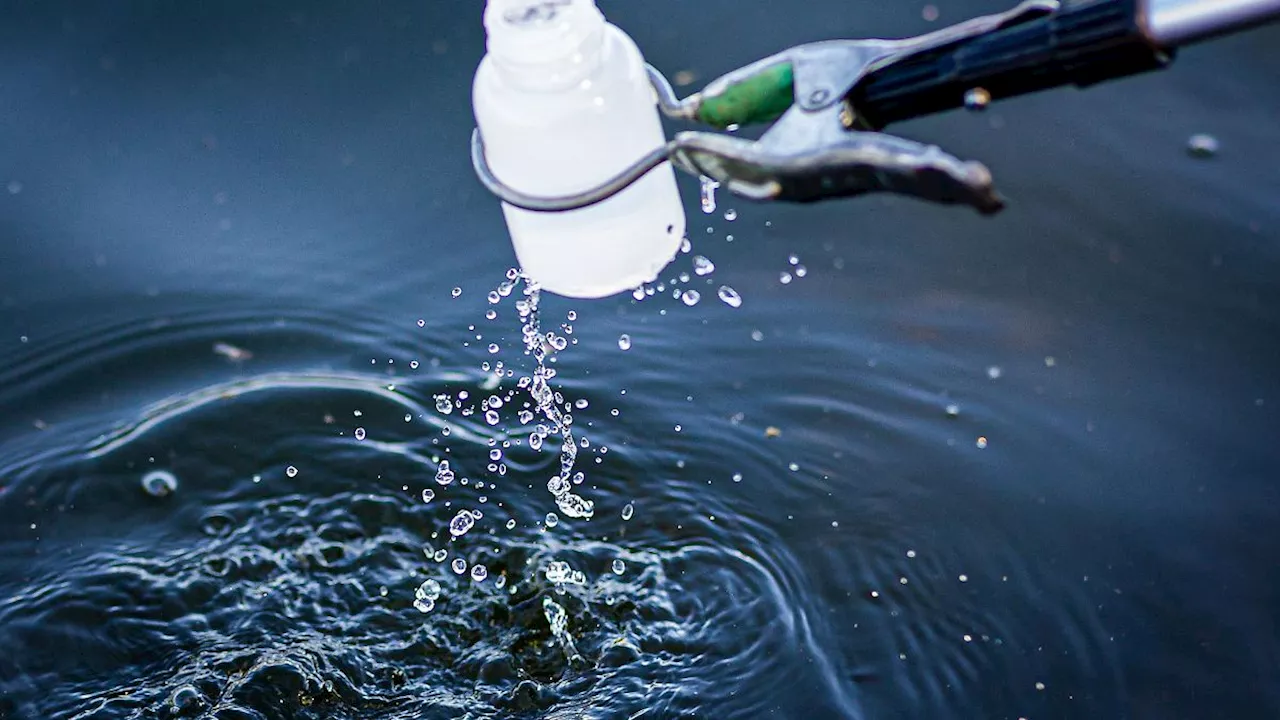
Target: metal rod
1171,23
537,203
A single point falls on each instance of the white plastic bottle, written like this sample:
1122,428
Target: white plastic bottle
563,103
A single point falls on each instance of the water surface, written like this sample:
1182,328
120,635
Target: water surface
964,467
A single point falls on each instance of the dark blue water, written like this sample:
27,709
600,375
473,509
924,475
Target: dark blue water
293,181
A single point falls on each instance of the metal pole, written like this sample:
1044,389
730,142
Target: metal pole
1171,23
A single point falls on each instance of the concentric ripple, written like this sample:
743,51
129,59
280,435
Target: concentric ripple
277,579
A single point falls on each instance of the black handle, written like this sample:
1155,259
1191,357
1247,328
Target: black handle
1082,43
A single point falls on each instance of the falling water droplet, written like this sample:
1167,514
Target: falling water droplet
709,187
424,605
730,214
444,404
461,523
291,471
457,291
690,297
511,524
624,341
619,567
730,296
428,495
977,99
784,278
429,589
703,266
492,417
459,565
551,520
360,433
479,573
628,511
444,475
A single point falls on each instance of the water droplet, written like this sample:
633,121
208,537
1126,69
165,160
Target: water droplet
444,404
491,417
737,477
493,348
360,433
444,475
479,573
413,364
801,271
624,341
784,278
730,214
291,471
494,297
429,589
551,520
1201,145
690,297
440,555
424,605
535,441
977,99
557,485
953,410
994,372
459,565
982,443
730,296
428,495
793,259
619,567
708,193
511,524
572,315
628,511
575,506
457,291
159,483
757,335
422,323
461,523
703,266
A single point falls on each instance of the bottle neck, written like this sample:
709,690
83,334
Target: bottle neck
544,45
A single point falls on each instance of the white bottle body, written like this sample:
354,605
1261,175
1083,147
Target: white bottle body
559,126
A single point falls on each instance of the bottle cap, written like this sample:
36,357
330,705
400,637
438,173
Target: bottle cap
528,32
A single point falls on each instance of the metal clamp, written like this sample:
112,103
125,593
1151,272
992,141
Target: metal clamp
815,150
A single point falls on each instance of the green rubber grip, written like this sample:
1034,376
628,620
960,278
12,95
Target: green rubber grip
761,98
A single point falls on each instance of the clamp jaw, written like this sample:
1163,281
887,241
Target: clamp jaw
824,141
